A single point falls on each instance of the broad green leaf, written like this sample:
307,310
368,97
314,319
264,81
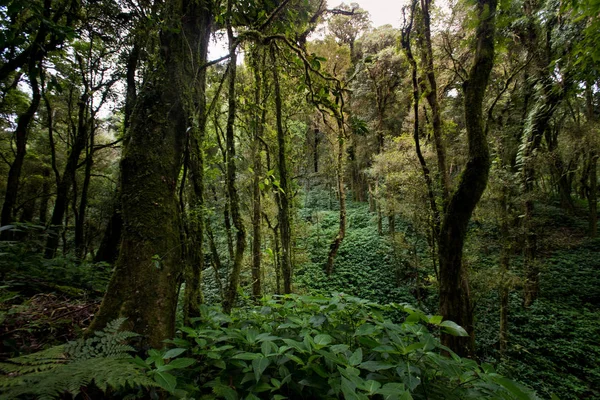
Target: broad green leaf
247,356
356,357
173,353
165,380
453,328
375,366
259,365
323,339
372,386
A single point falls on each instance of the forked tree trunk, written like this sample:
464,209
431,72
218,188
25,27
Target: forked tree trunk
455,301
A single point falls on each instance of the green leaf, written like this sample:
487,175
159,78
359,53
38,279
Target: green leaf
365,329
323,339
372,386
247,356
173,353
259,365
165,381
374,366
356,357
180,363
453,328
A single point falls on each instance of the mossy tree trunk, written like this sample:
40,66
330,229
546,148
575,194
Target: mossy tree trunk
148,271
197,36
21,134
455,302
232,193
283,196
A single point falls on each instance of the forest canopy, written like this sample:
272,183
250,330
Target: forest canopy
329,209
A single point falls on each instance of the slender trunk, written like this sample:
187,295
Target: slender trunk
80,220
111,239
406,45
283,195
455,302
337,242
234,201
45,196
432,99
593,195
216,260
505,253
21,134
259,121
200,30
67,179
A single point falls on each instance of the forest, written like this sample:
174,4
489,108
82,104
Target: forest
328,209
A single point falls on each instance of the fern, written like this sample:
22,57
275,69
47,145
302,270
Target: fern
109,343
103,359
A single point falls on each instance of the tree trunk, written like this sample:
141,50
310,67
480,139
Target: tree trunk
337,242
505,253
199,30
432,99
284,194
455,303
234,201
259,121
593,195
14,173
80,218
68,177
148,270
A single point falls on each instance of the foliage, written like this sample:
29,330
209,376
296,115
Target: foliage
103,359
303,347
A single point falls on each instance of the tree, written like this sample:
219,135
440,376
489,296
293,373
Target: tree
454,293
147,273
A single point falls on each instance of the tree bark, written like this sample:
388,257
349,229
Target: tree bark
337,242
432,99
455,302
68,177
258,122
147,274
283,195
21,134
198,35
234,201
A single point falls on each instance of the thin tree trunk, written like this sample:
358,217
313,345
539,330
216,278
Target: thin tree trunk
432,99
197,113
406,37
455,301
284,194
234,201
593,195
67,179
337,242
505,253
80,220
259,121
21,134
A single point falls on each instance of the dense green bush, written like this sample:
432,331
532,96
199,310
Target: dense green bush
300,347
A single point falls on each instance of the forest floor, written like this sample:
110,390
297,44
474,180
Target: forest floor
553,344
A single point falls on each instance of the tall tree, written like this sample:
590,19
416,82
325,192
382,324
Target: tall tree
454,288
148,270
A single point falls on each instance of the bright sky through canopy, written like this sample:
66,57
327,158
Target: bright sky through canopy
382,11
